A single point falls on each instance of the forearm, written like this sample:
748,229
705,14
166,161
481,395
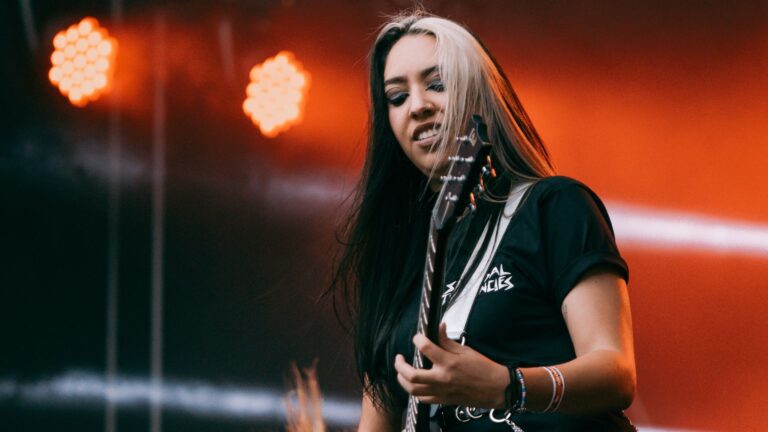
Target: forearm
596,381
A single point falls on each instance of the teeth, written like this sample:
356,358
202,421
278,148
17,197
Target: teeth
427,134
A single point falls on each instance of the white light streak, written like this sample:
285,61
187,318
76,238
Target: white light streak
28,18
190,397
94,159
664,229
296,192
635,226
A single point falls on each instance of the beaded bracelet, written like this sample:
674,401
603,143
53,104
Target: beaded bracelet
514,393
521,382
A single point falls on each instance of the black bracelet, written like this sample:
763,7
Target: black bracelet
512,392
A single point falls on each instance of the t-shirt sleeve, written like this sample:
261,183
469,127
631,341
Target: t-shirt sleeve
577,236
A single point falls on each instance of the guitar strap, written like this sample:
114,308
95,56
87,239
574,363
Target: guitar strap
457,314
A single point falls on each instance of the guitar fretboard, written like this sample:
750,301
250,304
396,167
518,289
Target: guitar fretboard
426,317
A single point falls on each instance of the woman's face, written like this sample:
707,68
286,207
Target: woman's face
416,99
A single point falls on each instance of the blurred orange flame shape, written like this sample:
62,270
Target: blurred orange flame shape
276,94
83,61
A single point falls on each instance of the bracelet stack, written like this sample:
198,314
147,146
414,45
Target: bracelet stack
515,392
558,388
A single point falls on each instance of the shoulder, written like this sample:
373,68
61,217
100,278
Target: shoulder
562,190
555,185
561,198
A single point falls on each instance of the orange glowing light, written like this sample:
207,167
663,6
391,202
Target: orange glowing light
276,94
83,61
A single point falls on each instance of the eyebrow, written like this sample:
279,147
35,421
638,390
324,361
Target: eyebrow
400,79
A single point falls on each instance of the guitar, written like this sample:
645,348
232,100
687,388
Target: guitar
468,168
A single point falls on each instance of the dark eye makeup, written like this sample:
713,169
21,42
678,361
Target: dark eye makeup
397,98
436,85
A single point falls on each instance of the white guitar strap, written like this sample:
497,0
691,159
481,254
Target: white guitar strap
457,314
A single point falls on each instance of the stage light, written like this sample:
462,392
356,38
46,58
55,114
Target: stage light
276,94
82,63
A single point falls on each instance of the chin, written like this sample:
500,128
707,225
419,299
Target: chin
427,171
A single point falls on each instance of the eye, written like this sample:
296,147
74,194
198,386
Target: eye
436,85
397,98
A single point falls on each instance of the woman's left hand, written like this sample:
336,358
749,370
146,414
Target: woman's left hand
459,375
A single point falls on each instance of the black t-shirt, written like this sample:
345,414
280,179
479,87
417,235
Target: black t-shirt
559,231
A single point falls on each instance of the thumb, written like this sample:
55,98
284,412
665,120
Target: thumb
445,342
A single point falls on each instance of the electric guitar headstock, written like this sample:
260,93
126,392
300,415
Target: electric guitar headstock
469,168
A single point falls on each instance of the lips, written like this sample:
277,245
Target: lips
426,127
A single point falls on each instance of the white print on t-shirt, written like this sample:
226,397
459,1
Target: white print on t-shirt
449,288
497,280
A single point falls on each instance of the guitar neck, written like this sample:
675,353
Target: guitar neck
434,279
417,415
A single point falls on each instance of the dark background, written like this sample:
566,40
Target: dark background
657,105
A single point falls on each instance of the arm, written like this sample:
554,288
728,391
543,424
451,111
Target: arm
375,419
602,376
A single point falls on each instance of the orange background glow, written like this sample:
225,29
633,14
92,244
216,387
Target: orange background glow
657,104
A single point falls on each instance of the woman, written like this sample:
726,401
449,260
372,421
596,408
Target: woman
549,324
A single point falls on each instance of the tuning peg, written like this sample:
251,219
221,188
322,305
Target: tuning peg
460,159
491,169
450,178
470,138
451,198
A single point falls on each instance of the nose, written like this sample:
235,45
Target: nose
421,105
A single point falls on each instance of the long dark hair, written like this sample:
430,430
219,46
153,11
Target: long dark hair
386,232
